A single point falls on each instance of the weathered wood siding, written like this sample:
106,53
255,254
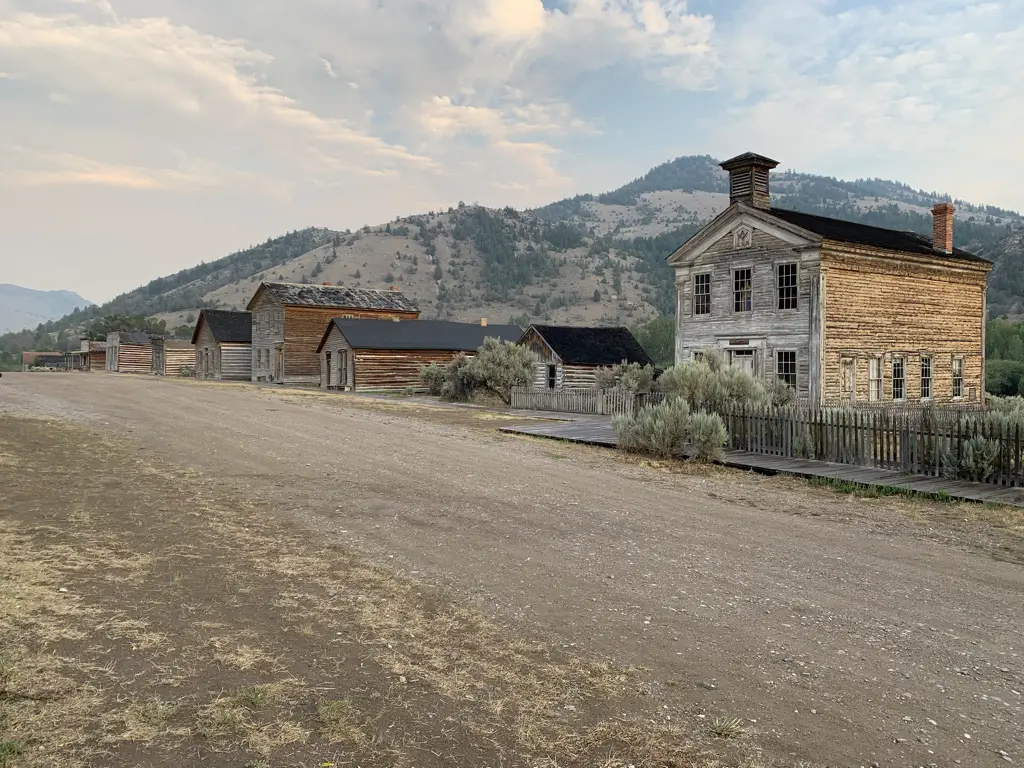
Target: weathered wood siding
893,305
97,360
205,349
765,329
134,358
374,369
267,337
234,362
340,350
545,357
169,357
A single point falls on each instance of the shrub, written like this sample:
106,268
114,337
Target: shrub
632,377
708,435
500,366
659,430
978,460
187,370
432,377
460,380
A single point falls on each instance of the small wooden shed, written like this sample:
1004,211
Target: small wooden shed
388,354
223,345
129,352
94,354
568,356
172,355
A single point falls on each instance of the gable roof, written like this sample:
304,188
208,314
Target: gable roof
134,337
227,327
865,234
439,335
593,346
336,296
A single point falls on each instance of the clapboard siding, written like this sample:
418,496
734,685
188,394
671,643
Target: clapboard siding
135,358
394,369
235,362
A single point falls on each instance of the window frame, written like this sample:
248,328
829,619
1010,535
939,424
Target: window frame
796,367
796,286
876,384
930,378
707,275
902,378
958,359
750,289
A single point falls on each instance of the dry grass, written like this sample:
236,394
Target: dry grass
340,723
252,719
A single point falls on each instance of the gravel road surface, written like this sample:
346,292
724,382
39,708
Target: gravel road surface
850,632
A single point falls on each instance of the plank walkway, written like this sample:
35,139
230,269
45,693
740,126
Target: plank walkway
600,433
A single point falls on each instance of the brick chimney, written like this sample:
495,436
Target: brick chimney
748,179
483,321
326,283
942,227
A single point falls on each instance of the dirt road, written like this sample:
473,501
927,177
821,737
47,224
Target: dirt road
843,631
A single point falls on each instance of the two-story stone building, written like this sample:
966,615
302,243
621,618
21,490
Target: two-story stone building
843,312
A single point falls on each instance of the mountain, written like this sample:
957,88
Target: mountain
26,308
587,259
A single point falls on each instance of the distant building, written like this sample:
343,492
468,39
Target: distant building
842,312
288,321
172,355
568,356
386,354
129,352
223,345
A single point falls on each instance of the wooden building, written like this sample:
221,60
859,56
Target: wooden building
42,360
843,312
388,354
288,321
94,354
172,355
129,352
223,345
568,356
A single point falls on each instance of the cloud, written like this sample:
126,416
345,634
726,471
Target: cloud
329,69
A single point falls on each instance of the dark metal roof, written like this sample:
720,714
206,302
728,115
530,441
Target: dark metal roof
864,234
593,346
339,296
419,334
134,337
227,327
747,158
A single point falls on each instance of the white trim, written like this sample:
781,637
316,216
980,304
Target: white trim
733,217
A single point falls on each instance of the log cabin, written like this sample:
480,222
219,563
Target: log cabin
568,356
288,321
844,312
172,356
387,354
129,352
223,345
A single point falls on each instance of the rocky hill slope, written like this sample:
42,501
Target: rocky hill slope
587,259
26,308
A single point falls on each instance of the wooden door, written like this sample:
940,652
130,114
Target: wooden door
278,370
847,372
342,369
744,360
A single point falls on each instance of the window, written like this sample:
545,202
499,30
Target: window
702,294
698,355
875,378
899,379
785,366
958,377
787,286
741,290
926,378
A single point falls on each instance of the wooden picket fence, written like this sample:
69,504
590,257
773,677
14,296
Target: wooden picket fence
597,402
934,444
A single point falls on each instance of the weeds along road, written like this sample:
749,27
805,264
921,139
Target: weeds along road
844,631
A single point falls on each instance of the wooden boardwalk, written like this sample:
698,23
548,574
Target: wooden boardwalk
593,432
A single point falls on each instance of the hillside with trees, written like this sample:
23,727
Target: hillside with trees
590,259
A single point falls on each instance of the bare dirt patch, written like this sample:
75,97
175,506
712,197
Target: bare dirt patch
148,618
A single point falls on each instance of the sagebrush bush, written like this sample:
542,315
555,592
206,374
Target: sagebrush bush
707,384
460,380
660,430
432,378
708,435
978,460
631,377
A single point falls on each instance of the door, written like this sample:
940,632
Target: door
330,370
848,376
743,359
552,376
278,371
342,369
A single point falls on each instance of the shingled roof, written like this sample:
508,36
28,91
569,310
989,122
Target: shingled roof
593,346
439,335
864,234
134,337
227,327
338,296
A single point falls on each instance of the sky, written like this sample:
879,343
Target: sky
140,137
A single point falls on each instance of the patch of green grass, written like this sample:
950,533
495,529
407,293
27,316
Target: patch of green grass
727,728
864,491
9,749
339,723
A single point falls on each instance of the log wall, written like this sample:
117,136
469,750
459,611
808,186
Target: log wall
890,306
134,358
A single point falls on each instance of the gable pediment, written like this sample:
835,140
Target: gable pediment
740,228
